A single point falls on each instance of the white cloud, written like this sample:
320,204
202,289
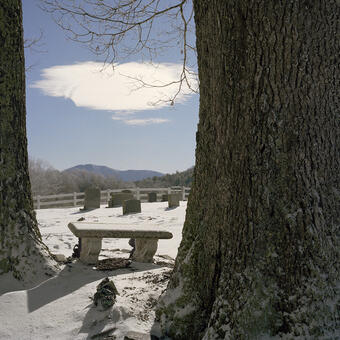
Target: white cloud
146,121
90,85
141,122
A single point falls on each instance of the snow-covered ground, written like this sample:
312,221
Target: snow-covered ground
61,307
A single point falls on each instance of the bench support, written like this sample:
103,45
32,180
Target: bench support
145,249
90,249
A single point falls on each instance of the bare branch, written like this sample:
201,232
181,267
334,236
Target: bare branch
34,45
117,29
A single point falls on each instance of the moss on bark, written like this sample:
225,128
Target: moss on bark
260,249
21,248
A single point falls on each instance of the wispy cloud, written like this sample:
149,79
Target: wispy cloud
140,122
115,88
147,121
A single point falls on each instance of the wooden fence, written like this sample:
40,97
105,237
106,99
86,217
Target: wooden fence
77,198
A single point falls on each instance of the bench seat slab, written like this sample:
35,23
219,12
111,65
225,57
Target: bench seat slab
116,230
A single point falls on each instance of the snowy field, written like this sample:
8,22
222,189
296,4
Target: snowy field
61,307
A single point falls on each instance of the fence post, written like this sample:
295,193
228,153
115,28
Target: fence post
169,191
138,193
108,196
183,193
38,202
74,199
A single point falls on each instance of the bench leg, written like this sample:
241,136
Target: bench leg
90,249
145,250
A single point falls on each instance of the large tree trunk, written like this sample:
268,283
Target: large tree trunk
21,249
260,248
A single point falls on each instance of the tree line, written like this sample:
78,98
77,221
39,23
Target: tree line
46,180
180,178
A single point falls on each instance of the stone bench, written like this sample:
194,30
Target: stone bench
90,239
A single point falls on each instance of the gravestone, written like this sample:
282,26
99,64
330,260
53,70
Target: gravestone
92,198
165,198
152,197
117,199
178,193
173,200
131,206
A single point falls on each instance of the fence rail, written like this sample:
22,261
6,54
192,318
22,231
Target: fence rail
77,198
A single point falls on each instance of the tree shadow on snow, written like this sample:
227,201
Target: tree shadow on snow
170,209
70,279
83,211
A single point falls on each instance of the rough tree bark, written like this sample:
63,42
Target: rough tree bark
22,252
260,249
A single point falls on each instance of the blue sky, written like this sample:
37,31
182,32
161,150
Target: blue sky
78,113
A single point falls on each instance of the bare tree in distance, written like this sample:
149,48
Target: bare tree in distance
46,180
115,30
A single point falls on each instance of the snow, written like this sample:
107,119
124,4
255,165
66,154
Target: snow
60,307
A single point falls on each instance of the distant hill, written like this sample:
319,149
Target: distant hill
122,175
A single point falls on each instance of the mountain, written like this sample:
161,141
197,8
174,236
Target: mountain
96,169
123,175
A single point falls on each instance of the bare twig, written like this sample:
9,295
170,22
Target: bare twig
35,45
117,29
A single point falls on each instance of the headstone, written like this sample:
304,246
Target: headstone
173,200
165,198
152,197
131,206
117,199
179,194
92,198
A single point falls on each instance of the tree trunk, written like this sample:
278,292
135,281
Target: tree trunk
21,249
260,249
